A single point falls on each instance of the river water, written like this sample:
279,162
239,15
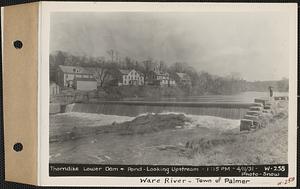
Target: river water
111,148
245,97
225,106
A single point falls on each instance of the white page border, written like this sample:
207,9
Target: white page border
48,7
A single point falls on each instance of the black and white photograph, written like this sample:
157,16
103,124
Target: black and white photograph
169,88
150,94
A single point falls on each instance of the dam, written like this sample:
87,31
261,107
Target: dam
135,108
225,106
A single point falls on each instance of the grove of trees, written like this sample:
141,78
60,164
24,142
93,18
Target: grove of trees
202,82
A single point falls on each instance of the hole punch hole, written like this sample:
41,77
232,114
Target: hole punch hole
18,147
18,44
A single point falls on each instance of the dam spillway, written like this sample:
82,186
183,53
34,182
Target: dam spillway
135,108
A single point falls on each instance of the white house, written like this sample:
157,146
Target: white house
158,77
67,74
172,82
131,77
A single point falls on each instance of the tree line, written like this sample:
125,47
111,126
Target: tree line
201,82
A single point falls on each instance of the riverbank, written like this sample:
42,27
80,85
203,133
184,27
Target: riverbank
265,146
144,91
154,94
268,145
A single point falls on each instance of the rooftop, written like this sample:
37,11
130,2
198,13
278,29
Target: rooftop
182,75
74,69
125,72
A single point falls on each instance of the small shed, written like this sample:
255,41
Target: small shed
85,84
54,89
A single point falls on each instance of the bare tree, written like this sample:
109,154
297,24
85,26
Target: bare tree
148,66
129,63
178,67
162,66
118,59
101,75
234,76
111,53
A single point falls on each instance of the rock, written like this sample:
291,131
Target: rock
281,97
166,147
256,120
258,104
263,101
254,113
94,141
54,108
189,125
246,124
251,117
255,108
99,159
152,123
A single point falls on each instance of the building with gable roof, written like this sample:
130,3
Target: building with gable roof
130,77
67,74
158,77
182,79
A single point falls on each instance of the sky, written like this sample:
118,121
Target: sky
252,44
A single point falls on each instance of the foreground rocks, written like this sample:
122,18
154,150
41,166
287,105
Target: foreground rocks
152,123
267,145
262,112
144,124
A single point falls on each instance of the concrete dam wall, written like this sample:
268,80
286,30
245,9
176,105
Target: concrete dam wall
225,110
